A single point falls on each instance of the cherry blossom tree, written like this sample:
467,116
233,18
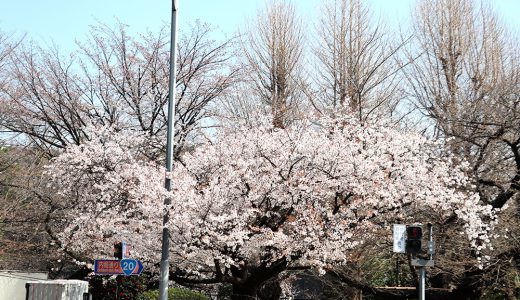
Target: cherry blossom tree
111,192
255,201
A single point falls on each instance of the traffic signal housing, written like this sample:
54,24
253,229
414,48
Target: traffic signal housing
413,239
118,250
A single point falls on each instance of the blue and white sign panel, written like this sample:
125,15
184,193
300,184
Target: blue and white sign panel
399,238
128,266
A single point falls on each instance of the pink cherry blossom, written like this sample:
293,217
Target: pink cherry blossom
255,195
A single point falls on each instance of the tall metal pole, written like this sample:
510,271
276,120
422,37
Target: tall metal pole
165,266
422,283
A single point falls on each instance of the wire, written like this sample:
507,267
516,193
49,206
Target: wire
18,276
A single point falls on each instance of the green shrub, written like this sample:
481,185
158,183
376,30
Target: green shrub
174,294
126,287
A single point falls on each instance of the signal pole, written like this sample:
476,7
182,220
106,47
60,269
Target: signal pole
407,239
422,283
423,263
165,251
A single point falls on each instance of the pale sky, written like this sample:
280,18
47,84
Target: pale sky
63,21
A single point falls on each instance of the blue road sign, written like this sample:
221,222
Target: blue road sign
128,265
118,267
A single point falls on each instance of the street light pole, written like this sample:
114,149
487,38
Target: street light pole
165,266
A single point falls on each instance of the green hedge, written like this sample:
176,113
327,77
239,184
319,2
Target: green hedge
174,294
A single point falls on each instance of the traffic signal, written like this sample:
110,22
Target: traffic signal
413,239
118,250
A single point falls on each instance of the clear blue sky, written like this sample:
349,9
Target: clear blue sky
64,21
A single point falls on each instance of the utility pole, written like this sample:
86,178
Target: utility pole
165,266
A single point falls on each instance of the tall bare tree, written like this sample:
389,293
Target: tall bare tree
465,78
115,79
273,51
131,78
357,70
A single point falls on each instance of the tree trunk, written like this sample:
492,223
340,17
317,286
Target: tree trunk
244,292
268,291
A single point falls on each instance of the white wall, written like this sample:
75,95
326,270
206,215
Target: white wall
12,283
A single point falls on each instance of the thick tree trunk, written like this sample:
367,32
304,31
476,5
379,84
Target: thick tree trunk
244,292
268,291
250,287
